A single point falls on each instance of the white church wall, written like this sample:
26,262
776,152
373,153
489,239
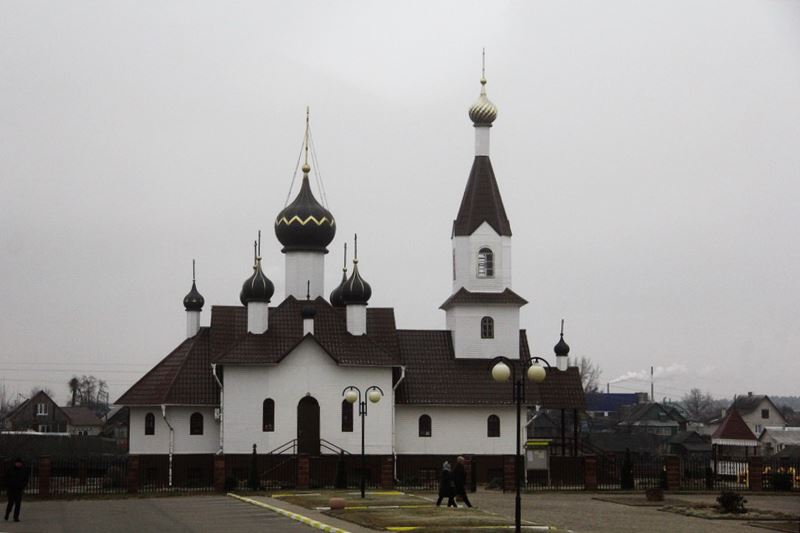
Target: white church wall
308,370
454,430
178,417
465,323
466,260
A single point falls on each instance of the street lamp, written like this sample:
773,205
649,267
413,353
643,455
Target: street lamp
503,368
353,394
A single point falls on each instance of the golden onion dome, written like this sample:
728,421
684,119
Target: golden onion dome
483,112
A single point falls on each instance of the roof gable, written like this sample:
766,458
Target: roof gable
733,427
481,202
464,297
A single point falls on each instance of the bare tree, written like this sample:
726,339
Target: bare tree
89,391
590,374
698,405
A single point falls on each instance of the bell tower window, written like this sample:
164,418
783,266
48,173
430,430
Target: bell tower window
487,327
485,263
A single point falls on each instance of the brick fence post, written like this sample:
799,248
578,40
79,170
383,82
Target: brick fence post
755,473
673,466
45,467
509,473
590,472
133,474
303,473
387,472
219,473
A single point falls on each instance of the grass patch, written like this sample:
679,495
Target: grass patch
438,518
315,500
712,512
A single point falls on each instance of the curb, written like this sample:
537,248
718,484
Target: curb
294,516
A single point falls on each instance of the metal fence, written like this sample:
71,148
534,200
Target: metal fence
565,473
88,475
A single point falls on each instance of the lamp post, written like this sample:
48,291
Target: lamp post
353,394
503,368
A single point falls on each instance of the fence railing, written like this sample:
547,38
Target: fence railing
111,474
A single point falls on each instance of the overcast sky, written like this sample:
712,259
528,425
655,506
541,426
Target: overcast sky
648,154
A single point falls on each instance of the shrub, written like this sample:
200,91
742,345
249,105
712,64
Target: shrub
731,502
780,480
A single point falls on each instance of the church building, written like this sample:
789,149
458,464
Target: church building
270,374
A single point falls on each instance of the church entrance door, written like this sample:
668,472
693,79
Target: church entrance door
308,426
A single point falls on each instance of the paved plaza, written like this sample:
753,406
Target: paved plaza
179,514
579,512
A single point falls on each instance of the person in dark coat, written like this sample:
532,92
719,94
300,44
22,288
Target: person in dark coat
446,486
460,481
16,479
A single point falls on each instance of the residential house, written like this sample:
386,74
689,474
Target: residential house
39,413
116,426
776,439
690,444
757,411
82,421
652,417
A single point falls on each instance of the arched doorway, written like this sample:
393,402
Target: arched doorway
308,426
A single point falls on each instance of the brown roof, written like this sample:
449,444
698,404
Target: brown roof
82,416
377,348
481,201
733,427
435,376
463,296
183,377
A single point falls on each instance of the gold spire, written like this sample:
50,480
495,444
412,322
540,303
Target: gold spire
483,112
306,167
483,70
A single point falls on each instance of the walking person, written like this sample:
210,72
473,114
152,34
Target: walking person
446,487
460,481
16,479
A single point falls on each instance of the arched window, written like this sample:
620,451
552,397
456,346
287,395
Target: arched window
493,426
485,263
196,424
347,416
268,415
424,426
487,327
149,424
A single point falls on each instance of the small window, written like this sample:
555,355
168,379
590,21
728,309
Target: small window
493,426
424,426
347,416
765,413
485,263
758,429
44,428
41,409
150,424
268,415
487,327
196,424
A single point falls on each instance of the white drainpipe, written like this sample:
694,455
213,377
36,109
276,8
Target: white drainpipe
221,411
171,439
394,406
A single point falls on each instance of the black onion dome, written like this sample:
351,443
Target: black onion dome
355,290
305,225
257,288
308,311
562,348
336,294
194,300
